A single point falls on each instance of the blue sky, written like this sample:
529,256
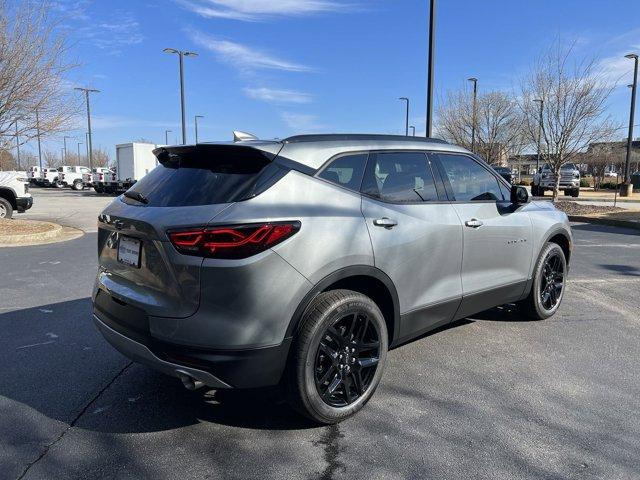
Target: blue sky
280,67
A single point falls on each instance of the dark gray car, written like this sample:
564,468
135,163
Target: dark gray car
301,262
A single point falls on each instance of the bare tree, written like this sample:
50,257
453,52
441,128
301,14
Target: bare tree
7,160
101,158
574,115
33,66
498,121
51,159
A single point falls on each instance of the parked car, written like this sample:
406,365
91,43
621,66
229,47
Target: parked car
506,173
71,176
302,261
546,180
101,177
48,177
14,193
33,174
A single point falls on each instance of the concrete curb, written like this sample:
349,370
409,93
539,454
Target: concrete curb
605,221
28,238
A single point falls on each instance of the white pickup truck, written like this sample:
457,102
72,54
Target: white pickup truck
71,176
97,177
48,177
33,174
14,193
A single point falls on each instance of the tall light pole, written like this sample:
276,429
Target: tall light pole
64,141
79,143
413,130
182,54
166,136
406,120
541,102
38,136
87,91
430,63
627,187
474,80
196,122
17,146
86,144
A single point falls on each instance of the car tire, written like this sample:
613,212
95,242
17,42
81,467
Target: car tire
340,350
59,184
78,185
6,210
534,190
575,193
549,283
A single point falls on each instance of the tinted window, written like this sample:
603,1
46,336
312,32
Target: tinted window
207,178
469,180
346,171
403,177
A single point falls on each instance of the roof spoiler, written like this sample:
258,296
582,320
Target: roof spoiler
219,156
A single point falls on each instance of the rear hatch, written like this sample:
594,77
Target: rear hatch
189,188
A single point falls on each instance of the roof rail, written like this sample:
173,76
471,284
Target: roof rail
329,137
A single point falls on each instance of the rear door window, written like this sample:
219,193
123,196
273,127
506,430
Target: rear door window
399,177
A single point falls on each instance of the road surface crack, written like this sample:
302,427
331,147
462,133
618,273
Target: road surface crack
73,422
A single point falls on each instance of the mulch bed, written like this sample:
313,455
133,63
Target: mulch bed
23,227
573,208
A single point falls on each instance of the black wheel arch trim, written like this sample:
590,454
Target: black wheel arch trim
341,274
550,234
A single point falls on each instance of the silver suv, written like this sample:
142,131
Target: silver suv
301,262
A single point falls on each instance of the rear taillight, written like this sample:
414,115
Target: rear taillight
235,241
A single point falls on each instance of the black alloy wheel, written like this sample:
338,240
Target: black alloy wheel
347,359
552,281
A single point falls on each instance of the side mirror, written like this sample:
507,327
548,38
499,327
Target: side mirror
519,195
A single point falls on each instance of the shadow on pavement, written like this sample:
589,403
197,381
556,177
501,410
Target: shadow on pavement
591,227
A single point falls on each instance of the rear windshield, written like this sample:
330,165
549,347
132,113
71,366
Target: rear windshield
205,180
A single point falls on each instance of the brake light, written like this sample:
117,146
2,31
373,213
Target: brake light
234,241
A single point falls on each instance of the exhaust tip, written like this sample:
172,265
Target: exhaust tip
189,382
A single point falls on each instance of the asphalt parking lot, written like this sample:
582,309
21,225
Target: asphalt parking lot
492,396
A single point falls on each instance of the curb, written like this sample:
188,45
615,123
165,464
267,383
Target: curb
32,237
605,221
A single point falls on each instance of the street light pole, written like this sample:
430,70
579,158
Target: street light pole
166,136
413,130
181,54
38,136
406,121
64,158
541,101
87,91
196,122
627,187
17,146
86,144
474,80
79,143
432,37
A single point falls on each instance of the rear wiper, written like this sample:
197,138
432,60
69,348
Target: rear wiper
136,196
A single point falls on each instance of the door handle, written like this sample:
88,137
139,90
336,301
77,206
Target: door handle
385,222
474,223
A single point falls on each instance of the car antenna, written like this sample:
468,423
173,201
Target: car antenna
239,136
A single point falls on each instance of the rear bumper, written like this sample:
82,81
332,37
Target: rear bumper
248,368
24,203
141,354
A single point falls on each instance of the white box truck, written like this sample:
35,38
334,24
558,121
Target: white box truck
133,161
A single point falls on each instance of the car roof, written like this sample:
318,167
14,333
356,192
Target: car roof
314,150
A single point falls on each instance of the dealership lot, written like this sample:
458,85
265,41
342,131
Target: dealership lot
489,397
